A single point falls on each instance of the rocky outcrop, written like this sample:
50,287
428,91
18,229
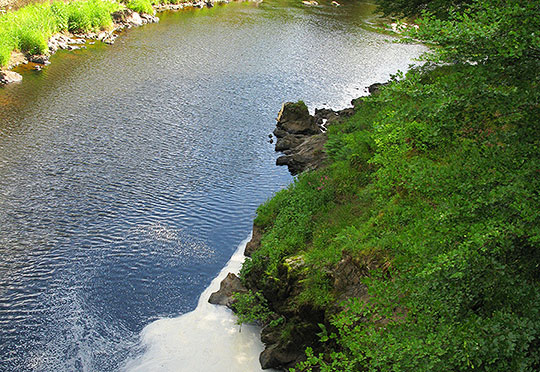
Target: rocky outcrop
9,77
255,241
227,288
375,88
301,136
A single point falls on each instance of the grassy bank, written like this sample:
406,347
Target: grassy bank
417,247
28,29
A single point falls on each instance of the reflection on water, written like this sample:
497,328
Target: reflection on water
130,173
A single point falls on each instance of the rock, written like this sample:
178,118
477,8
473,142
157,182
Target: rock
335,3
282,160
77,41
348,275
280,133
38,67
357,101
310,3
375,88
127,17
9,77
228,287
149,18
288,142
308,155
39,58
102,35
275,356
299,136
347,112
255,241
294,118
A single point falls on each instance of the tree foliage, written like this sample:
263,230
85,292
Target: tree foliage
413,8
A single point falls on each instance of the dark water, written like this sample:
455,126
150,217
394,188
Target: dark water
130,173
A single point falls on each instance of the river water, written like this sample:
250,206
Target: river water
130,173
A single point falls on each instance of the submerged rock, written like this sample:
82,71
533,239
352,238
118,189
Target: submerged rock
228,287
9,77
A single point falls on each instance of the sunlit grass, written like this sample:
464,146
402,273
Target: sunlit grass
28,29
141,6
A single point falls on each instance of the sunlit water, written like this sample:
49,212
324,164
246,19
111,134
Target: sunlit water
129,174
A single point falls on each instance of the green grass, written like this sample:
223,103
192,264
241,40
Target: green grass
141,6
28,29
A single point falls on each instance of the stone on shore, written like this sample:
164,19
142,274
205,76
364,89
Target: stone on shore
9,77
294,118
39,58
228,287
255,241
127,17
301,136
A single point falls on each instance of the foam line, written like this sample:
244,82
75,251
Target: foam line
204,340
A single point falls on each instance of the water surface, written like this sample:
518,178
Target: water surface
130,173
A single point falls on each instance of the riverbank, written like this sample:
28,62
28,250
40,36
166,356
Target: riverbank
209,333
413,243
30,35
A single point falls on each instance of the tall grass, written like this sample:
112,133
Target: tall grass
141,6
28,29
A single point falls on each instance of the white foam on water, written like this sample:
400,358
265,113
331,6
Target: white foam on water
207,339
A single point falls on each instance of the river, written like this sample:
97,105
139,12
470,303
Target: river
130,173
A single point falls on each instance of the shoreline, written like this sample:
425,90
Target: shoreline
123,19
209,333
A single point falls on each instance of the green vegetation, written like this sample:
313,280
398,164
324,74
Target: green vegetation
432,192
141,6
412,8
28,29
